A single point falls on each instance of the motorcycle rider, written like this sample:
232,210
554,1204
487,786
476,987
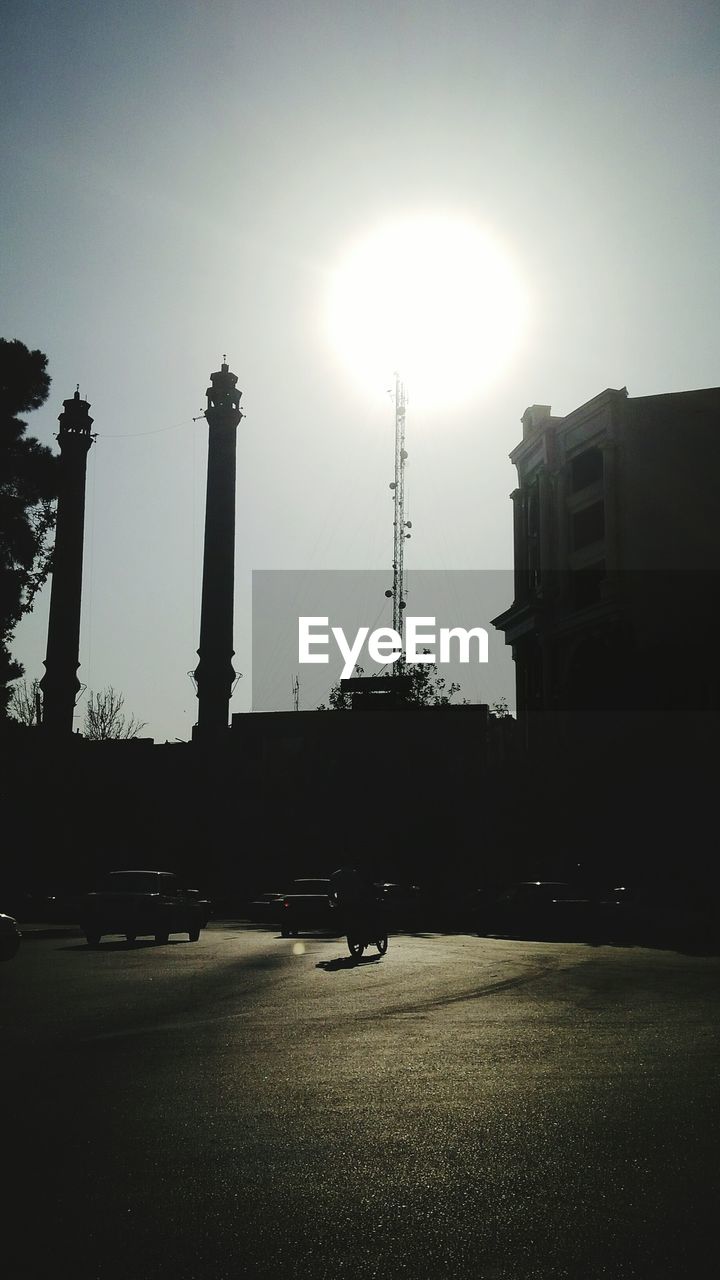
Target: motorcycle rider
356,897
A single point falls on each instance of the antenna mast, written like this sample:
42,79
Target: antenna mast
400,524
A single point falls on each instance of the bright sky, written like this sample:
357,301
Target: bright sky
181,179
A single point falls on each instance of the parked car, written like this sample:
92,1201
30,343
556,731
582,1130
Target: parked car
448,904
9,937
401,905
47,905
306,905
266,908
678,912
552,908
141,903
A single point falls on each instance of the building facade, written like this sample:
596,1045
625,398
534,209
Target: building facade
617,551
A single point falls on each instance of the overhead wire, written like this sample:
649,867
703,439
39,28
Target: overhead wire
156,431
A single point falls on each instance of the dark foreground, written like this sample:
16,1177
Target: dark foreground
246,1106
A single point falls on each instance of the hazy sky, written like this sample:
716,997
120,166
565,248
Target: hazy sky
180,180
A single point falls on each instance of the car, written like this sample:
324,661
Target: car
265,908
401,904
9,937
306,905
141,903
47,905
447,904
678,912
549,908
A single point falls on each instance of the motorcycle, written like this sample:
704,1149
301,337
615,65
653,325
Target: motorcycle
367,933
357,944
364,927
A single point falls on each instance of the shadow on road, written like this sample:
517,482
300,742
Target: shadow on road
346,962
52,931
139,945
655,940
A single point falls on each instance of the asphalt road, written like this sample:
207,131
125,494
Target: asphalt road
251,1106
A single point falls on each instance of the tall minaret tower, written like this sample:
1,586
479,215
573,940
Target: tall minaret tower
60,684
214,673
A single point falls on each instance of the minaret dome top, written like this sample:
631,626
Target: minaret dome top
75,418
223,393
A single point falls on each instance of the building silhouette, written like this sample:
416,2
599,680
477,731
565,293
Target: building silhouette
616,606
616,548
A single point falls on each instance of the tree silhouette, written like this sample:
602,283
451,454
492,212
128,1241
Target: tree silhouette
23,702
28,487
105,720
425,689
500,710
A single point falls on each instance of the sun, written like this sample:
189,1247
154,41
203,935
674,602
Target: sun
434,297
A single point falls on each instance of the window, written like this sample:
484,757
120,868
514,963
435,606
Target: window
533,539
586,469
586,585
588,526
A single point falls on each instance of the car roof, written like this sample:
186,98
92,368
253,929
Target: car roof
140,871
551,884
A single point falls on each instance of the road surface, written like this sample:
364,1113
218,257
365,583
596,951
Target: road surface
255,1106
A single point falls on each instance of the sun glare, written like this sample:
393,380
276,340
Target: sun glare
435,298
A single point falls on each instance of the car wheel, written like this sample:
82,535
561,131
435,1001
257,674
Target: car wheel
355,947
130,937
193,934
93,939
162,938
284,933
381,944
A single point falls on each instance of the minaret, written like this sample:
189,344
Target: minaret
60,684
214,673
